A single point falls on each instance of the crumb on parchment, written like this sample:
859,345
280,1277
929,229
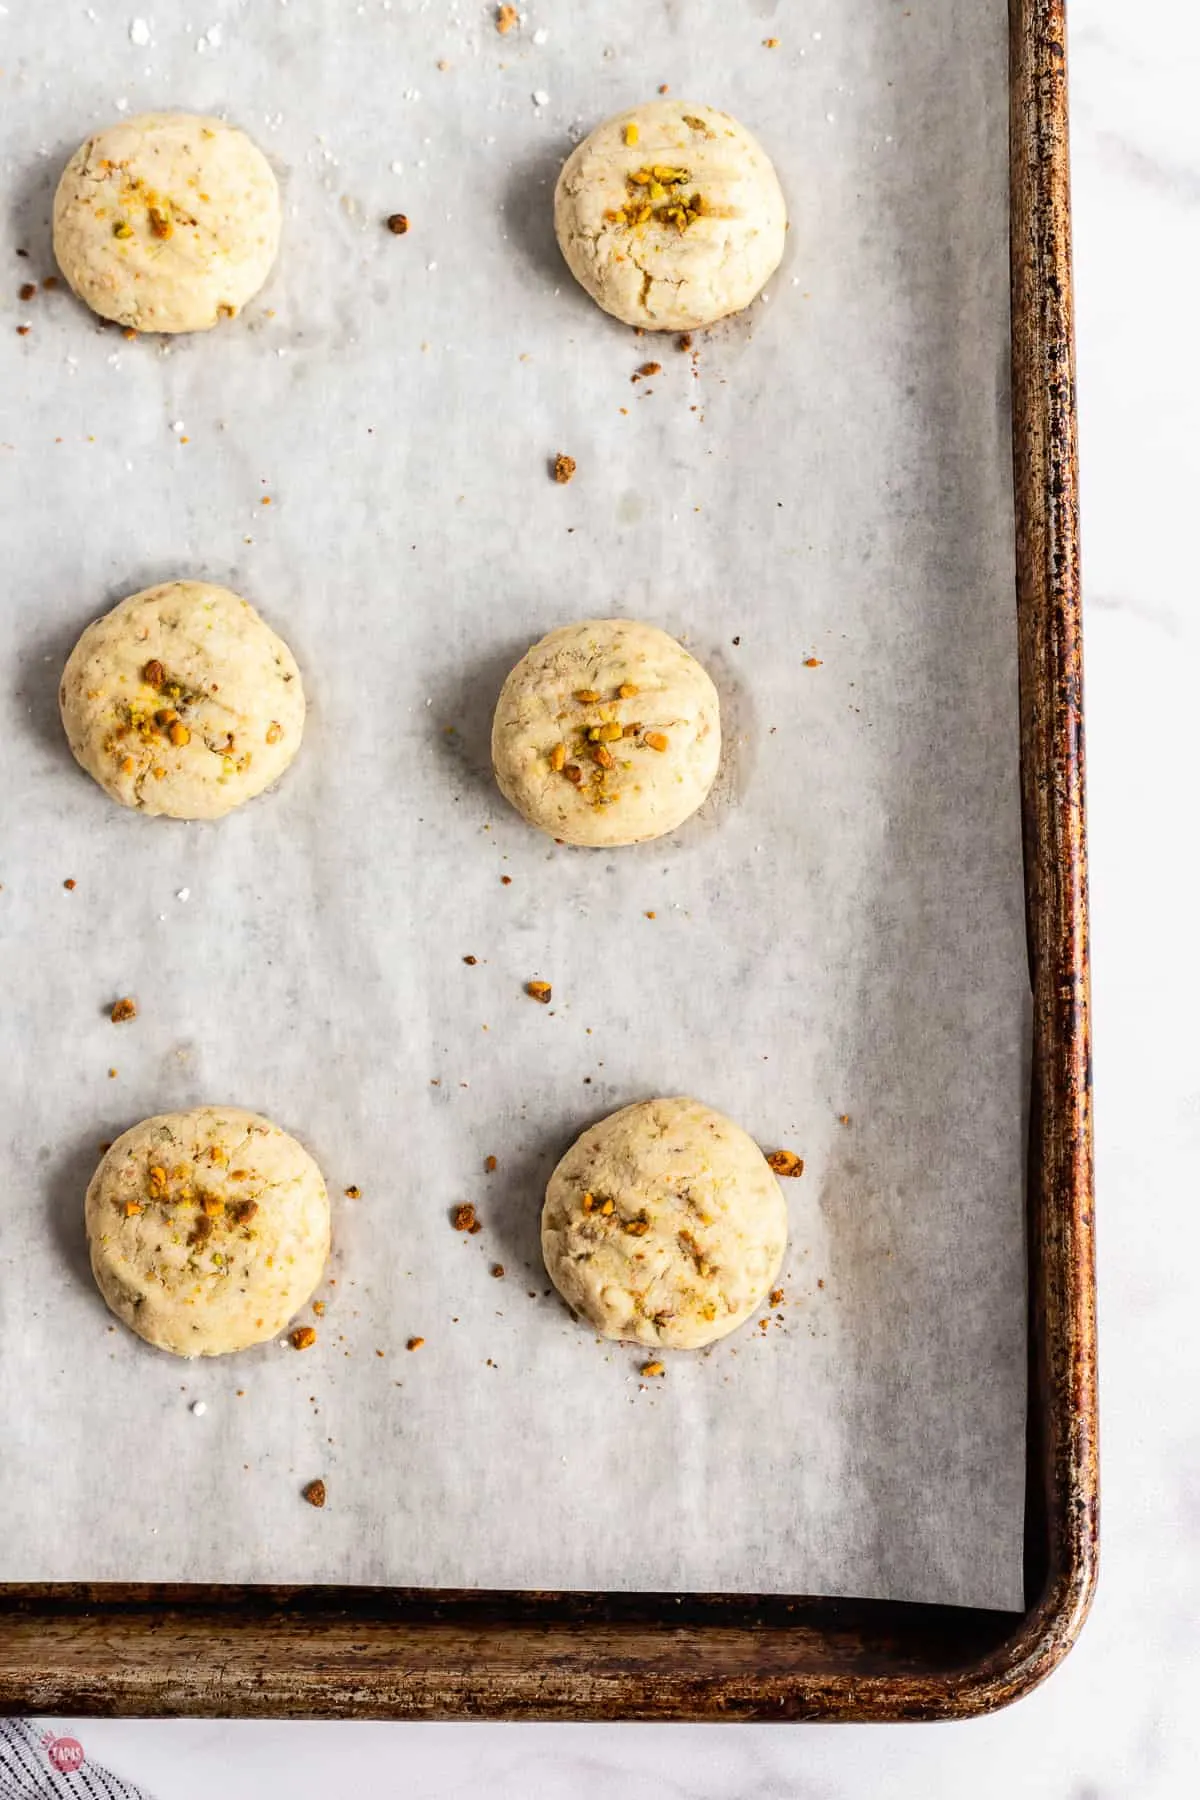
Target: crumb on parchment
314,1493
414,1343
303,1338
397,224
539,990
123,1009
786,1162
564,468
507,19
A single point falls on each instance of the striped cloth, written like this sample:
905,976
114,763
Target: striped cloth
39,1764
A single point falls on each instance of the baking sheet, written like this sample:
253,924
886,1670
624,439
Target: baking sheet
836,952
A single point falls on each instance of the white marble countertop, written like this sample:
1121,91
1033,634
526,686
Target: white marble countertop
1120,1718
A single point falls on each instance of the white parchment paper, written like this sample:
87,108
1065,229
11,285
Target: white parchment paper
838,933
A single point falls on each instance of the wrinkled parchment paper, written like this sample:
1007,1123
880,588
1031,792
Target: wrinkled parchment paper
832,953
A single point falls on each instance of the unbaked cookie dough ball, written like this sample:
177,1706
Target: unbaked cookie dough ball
606,733
167,222
207,1230
663,1224
671,215
182,701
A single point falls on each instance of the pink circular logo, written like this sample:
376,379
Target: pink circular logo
65,1754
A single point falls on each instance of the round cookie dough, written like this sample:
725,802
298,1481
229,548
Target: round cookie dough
167,222
670,215
607,733
664,1225
208,1230
182,701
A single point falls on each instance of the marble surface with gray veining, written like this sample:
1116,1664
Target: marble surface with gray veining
1120,1720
